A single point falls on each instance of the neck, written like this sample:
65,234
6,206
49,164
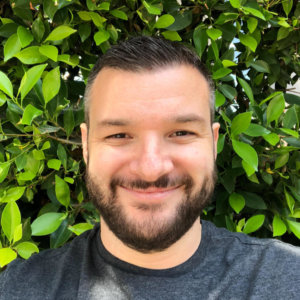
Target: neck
173,256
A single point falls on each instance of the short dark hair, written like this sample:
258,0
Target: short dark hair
144,53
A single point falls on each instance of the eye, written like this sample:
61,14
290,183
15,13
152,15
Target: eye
118,136
181,133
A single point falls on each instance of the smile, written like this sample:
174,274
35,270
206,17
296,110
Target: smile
152,193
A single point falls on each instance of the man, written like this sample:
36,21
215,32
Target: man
149,143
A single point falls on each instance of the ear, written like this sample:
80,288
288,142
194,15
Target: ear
84,140
215,130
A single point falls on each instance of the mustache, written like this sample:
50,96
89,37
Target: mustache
162,182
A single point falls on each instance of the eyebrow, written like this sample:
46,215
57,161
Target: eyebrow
188,118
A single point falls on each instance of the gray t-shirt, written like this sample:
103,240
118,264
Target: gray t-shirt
225,266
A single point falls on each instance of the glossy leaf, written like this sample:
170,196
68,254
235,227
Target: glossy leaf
10,219
294,227
278,225
80,228
30,78
246,152
7,255
60,32
119,14
30,113
214,33
5,85
26,249
101,36
13,194
220,73
51,84
31,55
4,168
253,223
248,41
46,223
275,108
62,191
164,21
260,66
25,37
247,89
237,202
54,164
171,35
240,123
12,47
151,8
49,51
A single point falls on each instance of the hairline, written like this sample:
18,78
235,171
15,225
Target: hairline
140,69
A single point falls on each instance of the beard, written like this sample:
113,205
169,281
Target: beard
151,234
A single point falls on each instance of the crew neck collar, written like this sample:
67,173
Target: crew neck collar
185,267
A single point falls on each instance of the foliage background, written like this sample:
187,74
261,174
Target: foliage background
47,50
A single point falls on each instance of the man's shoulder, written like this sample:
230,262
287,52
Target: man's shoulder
226,238
46,266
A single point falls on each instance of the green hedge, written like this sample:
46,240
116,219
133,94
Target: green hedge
48,49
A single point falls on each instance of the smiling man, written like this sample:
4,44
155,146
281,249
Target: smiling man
149,143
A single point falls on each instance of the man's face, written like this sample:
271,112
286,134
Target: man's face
150,151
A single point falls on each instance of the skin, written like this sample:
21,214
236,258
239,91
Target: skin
142,126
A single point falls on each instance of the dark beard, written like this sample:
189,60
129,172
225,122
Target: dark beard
149,236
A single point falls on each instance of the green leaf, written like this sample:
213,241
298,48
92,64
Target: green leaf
69,122
290,118
29,114
31,55
220,144
247,89
240,123
228,63
38,29
62,191
246,152
38,154
249,170
151,8
60,32
279,227
54,164
101,36
237,202
235,3
18,233
12,47
46,223
290,132
200,39
226,17
214,33
80,228
13,194
62,155
252,24
30,78
228,91
256,130
164,21
272,138
254,12
5,85
281,160
51,84
3,99
24,35
220,99
275,108
294,227
60,236
4,168
248,41
119,14
287,6
289,200
10,219
49,51
220,73
26,176
84,15
260,66
84,31
253,223
282,33
50,8
171,35
7,255
26,249
97,19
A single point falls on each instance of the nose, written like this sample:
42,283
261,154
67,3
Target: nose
151,160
